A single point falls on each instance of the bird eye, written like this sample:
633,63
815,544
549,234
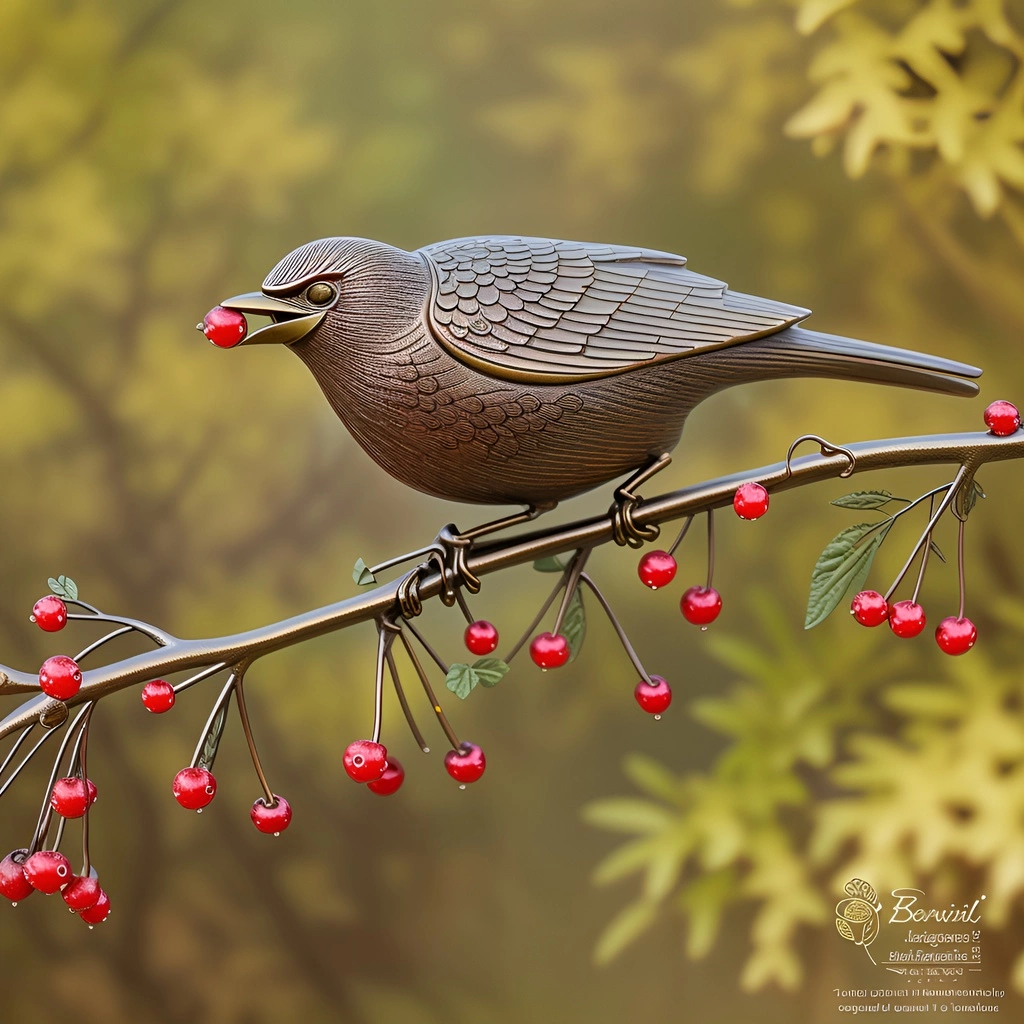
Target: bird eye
320,294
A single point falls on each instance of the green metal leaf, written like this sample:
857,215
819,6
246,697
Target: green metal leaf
64,586
489,671
549,564
574,625
971,497
866,499
362,575
212,741
463,679
937,551
844,563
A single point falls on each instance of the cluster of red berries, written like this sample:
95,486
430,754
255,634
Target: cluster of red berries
907,619
48,871
59,677
367,762
196,787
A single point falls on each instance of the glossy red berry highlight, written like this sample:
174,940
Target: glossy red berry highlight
224,327
481,637
1002,418
390,782
657,569
701,605
271,818
60,677
50,613
654,696
194,788
750,501
47,870
549,651
466,764
956,636
906,619
869,608
14,886
98,912
81,893
71,797
365,761
158,696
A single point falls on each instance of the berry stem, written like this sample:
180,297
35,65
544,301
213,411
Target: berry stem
96,645
572,578
711,546
222,699
960,567
438,660
406,710
83,738
517,647
384,639
243,714
943,505
28,757
14,749
682,533
617,626
460,597
427,688
210,670
158,636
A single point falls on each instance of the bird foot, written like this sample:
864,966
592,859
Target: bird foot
447,555
625,529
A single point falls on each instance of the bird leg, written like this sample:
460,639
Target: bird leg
626,530
448,554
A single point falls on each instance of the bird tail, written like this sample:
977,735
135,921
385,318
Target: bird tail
811,354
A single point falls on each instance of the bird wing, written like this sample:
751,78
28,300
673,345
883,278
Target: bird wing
542,310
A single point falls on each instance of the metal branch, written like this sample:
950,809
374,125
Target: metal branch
971,450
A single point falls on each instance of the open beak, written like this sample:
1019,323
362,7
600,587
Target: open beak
290,322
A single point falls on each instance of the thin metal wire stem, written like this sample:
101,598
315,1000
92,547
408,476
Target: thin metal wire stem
960,567
211,670
576,567
711,547
76,748
383,643
517,646
943,505
461,598
17,744
438,660
225,694
154,634
102,640
617,626
44,816
406,710
682,533
28,757
924,565
429,691
84,738
243,714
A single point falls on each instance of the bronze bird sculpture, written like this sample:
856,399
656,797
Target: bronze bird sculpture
505,370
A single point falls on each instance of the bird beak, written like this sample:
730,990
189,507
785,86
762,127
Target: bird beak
290,322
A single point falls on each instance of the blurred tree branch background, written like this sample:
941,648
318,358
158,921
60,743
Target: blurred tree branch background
157,156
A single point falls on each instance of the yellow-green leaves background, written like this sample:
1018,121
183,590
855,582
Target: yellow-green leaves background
860,157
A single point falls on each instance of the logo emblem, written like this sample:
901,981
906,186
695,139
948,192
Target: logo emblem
857,916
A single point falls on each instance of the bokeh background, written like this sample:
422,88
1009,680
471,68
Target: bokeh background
859,157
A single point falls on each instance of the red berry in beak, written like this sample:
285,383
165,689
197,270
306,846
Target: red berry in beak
224,327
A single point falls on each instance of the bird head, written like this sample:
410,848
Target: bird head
326,296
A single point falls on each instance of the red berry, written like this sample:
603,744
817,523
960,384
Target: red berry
47,870
365,761
956,636
60,677
158,696
656,569
14,885
869,608
390,782
275,817
750,501
654,696
92,791
81,893
701,605
1002,418
98,912
906,619
481,637
71,798
466,764
549,651
194,788
224,327
50,613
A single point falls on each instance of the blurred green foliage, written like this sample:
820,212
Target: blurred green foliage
157,156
